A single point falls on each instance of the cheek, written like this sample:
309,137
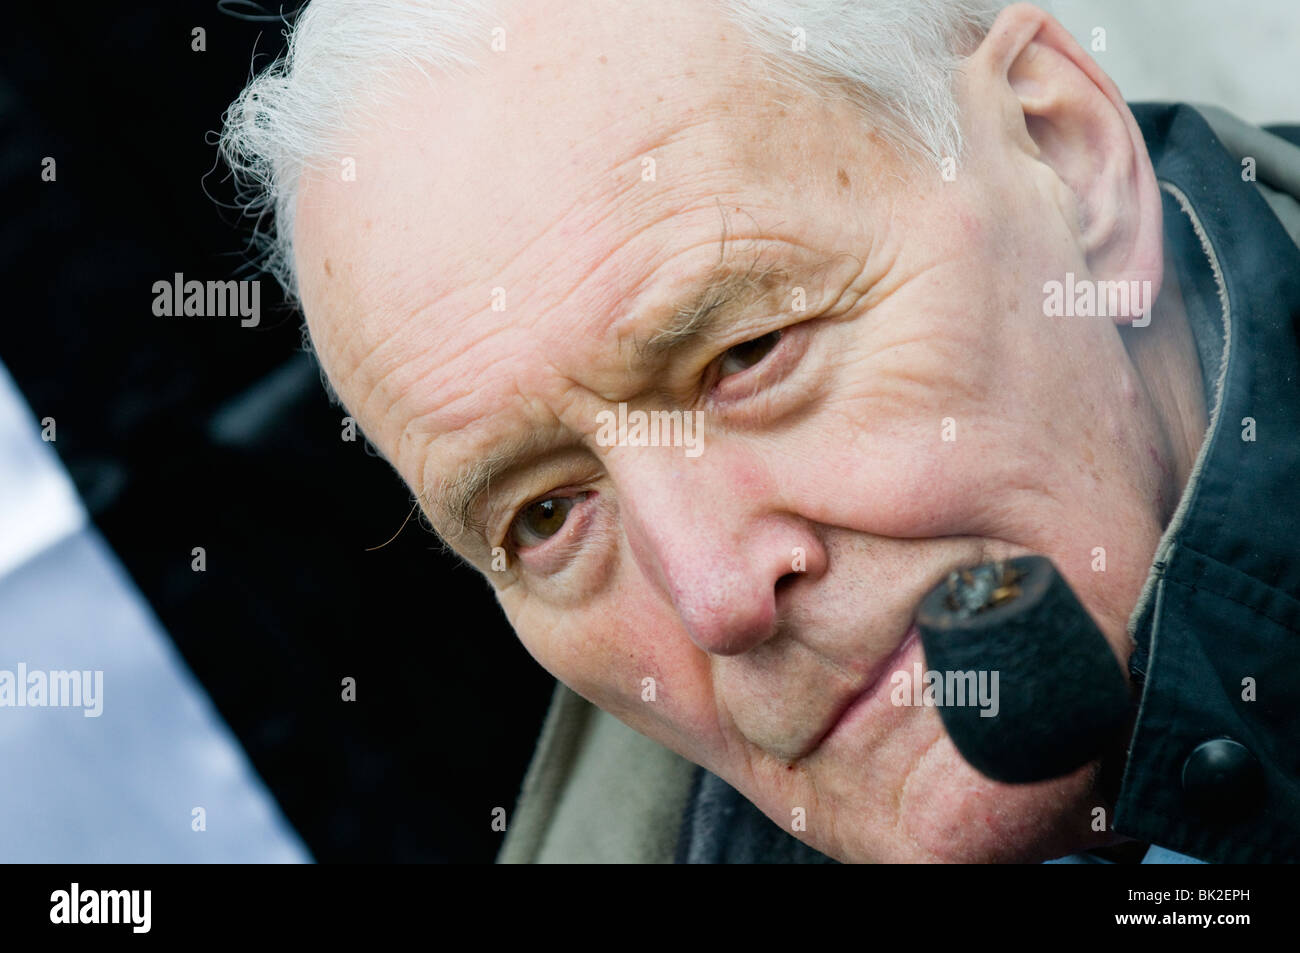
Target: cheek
626,652
927,421
903,466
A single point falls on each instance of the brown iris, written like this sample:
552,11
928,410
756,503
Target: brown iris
545,518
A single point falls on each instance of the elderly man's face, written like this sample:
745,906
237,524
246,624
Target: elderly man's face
513,260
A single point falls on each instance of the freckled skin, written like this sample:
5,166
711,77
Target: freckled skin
527,176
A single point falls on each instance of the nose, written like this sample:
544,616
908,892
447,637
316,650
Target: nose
712,534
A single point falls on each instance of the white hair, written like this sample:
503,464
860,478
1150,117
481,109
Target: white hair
894,58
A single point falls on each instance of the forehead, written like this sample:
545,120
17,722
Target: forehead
594,157
474,167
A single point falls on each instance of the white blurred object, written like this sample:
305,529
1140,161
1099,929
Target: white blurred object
38,503
1244,57
122,786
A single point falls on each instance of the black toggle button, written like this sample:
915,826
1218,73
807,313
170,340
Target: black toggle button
1222,777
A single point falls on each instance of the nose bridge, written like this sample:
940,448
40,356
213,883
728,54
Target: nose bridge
692,525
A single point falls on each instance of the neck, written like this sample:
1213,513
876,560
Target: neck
1164,355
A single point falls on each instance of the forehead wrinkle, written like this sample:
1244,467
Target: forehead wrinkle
612,196
599,224
608,194
436,418
725,289
402,364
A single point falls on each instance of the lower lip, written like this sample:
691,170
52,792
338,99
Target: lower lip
899,659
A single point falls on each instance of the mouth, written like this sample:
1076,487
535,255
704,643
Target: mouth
863,702
850,710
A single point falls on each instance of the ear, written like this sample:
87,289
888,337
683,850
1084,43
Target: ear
1080,126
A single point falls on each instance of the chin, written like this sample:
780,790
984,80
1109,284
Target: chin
947,812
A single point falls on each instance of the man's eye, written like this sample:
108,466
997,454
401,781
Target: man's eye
744,356
541,520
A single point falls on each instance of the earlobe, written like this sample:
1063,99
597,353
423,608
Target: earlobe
1084,131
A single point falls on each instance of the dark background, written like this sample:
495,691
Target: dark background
184,432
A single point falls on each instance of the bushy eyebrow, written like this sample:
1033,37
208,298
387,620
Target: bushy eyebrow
729,288
725,291
459,498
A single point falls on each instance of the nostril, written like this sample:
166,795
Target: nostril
786,581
